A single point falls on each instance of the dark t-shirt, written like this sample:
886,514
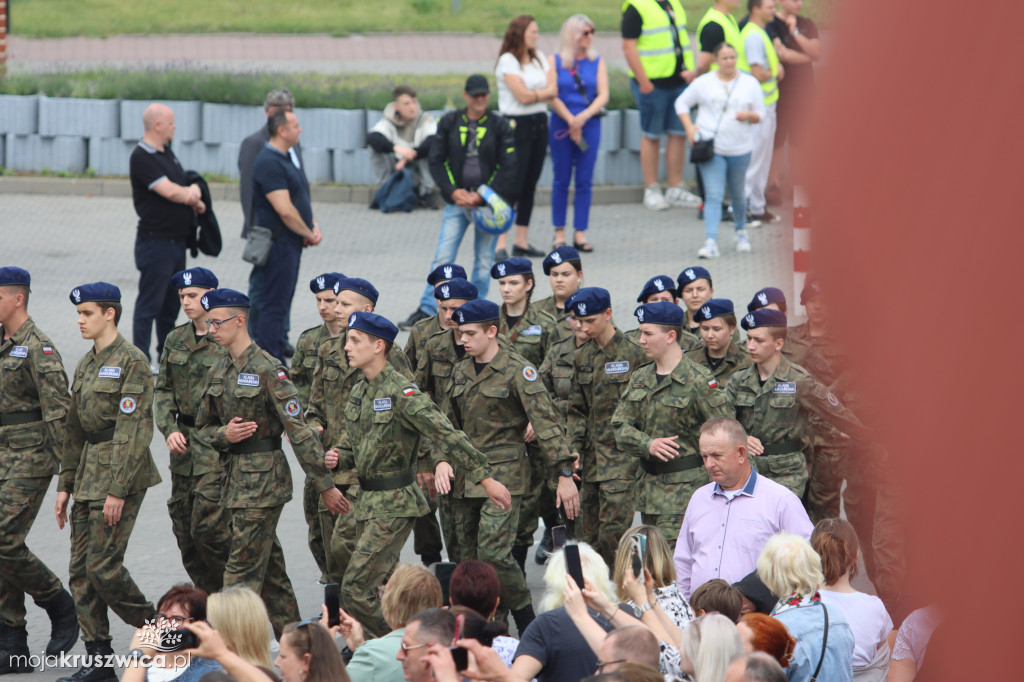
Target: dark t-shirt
555,641
472,175
632,26
799,77
274,171
158,217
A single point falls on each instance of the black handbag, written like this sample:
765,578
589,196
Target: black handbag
704,150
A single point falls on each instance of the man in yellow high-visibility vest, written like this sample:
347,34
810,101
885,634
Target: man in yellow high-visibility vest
657,48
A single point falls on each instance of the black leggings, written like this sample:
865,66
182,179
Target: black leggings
531,140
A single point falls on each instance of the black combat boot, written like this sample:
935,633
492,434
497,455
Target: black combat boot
14,650
519,553
63,623
544,549
523,617
95,669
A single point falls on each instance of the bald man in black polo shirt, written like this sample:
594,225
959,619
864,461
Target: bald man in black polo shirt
166,208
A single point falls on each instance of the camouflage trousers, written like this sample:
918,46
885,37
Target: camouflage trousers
377,548
539,500
668,524
824,483
313,510
340,533
447,518
789,470
606,512
256,561
21,571
201,527
485,532
426,533
97,575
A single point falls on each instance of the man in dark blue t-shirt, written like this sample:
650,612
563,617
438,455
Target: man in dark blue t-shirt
281,203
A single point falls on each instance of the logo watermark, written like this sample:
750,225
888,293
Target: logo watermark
43,662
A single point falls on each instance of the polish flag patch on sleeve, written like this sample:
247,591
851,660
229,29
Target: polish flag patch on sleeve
408,392
282,375
47,350
713,383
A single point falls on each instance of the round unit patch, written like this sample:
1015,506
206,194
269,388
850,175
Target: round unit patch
128,405
529,373
292,408
833,400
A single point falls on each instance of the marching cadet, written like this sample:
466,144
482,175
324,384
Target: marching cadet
695,288
199,523
796,350
248,403
565,273
428,326
495,396
663,288
33,407
107,467
385,418
659,416
776,400
602,368
720,353
333,379
301,374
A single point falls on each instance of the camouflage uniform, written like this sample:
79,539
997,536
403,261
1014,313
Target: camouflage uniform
384,420
600,377
560,331
418,336
201,526
654,407
779,415
301,373
556,373
687,341
735,358
328,397
493,408
33,406
257,479
106,452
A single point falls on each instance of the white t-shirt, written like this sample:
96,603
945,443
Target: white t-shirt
709,94
534,76
868,620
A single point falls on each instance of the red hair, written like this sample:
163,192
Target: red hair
771,637
474,584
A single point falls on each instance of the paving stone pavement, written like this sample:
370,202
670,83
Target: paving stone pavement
69,240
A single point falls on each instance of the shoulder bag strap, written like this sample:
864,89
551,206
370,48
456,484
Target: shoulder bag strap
824,643
726,107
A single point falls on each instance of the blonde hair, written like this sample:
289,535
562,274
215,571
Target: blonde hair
569,38
410,589
239,616
594,570
657,559
711,642
789,564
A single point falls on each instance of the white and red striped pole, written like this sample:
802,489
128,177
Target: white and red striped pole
801,246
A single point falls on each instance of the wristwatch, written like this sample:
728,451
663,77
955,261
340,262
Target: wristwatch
795,31
641,610
567,473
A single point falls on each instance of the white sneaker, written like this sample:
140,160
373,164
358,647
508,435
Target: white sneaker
653,199
680,196
742,242
709,250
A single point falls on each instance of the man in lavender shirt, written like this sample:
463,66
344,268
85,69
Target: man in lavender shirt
728,520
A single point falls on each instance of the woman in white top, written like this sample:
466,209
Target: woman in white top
836,543
728,103
525,84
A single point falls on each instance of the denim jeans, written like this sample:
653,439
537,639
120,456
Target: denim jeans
454,223
716,173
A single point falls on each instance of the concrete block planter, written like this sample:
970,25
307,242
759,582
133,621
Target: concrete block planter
109,155
353,166
333,128
19,114
611,131
230,122
188,116
631,134
318,164
78,117
37,153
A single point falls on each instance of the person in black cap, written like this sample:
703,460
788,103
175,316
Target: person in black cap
33,406
107,467
720,353
663,288
565,274
199,524
385,420
472,147
248,403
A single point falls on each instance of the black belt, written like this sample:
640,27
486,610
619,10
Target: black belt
187,419
783,448
656,466
12,418
248,447
392,482
100,436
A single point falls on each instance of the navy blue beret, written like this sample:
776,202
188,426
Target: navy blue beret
765,297
96,291
712,308
446,271
194,277
691,275
457,287
588,301
512,266
374,324
812,287
360,286
563,254
12,276
656,285
764,317
224,298
324,282
479,310
659,312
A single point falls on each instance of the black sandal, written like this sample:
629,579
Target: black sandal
584,247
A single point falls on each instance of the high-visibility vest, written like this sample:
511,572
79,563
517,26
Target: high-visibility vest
770,87
729,28
656,46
